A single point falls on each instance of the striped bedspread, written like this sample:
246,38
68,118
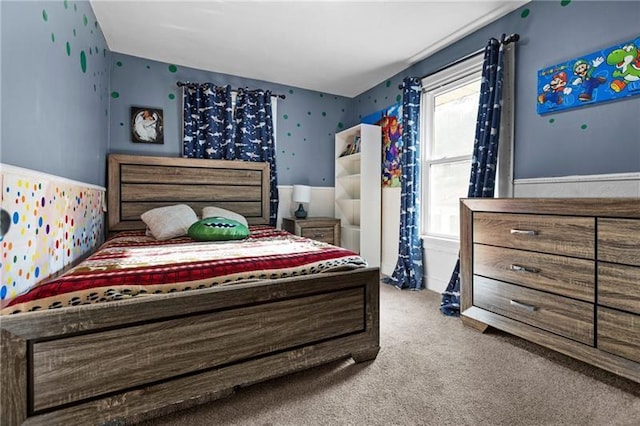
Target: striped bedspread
132,264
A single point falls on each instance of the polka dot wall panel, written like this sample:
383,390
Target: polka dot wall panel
52,224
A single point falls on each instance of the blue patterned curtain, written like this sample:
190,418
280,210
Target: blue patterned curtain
208,122
409,268
254,139
485,150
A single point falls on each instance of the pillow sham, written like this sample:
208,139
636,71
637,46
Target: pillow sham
218,229
220,212
170,221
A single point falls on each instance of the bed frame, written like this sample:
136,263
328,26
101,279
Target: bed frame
125,361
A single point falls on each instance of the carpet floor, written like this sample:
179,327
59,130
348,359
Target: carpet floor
431,370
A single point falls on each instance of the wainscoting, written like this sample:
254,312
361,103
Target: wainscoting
609,185
321,204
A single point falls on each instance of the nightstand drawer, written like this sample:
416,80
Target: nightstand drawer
619,333
619,241
560,315
619,286
324,234
562,275
569,236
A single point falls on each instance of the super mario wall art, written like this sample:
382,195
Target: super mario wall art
609,74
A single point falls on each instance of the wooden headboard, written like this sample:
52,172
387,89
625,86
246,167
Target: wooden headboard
139,183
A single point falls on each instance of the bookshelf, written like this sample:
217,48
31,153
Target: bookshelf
358,189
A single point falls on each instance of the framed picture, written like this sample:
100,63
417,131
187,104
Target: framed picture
147,125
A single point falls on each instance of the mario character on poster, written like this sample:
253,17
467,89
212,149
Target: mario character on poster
606,75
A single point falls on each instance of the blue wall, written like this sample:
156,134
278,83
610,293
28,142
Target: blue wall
55,79
306,121
62,119
603,138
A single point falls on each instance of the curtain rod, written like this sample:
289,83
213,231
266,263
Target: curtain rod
510,38
193,85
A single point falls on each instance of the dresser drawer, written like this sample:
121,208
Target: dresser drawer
562,275
619,240
619,333
324,234
564,235
619,286
566,317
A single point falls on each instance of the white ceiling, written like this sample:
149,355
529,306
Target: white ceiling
336,47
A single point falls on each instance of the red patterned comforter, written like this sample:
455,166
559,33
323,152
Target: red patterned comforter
132,264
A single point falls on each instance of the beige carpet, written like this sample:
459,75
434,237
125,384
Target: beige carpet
432,370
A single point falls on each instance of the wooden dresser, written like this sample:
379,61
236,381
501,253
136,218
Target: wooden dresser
563,273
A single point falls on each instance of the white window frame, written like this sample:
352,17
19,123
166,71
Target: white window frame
460,74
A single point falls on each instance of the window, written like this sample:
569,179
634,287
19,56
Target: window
449,108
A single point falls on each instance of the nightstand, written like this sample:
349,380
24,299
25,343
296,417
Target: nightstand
325,229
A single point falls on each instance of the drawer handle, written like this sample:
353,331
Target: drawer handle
523,232
520,268
517,304
318,235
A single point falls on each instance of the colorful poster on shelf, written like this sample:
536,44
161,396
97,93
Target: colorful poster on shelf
606,75
390,119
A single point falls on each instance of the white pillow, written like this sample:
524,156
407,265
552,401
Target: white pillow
169,222
227,214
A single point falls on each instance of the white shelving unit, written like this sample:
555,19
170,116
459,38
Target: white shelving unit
358,191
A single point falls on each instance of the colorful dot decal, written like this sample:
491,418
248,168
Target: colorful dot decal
68,46
583,127
172,96
291,91
119,63
85,21
565,3
43,203
388,83
121,123
53,38
398,98
44,15
66,4
173,68
115,95
552,120
340,125
285,116
525,13
324,114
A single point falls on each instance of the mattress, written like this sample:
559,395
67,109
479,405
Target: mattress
132,264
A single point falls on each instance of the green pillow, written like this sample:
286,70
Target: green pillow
218,229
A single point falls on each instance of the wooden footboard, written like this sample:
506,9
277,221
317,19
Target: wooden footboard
122,362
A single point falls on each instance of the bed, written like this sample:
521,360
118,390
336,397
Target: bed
127,360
